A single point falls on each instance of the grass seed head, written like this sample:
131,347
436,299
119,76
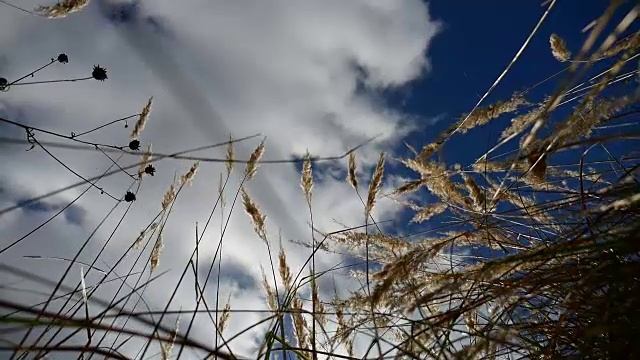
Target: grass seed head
62,9
229,156
559,48
254,159
257,218
187,178
154,261
351,176
142,120
272,299
224,317
306,182
374,185
169,196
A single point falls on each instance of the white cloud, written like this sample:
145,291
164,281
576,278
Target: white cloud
290,71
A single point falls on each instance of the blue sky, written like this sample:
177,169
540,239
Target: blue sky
478,41
297,74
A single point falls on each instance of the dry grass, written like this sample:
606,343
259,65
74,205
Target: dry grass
529,252
539,261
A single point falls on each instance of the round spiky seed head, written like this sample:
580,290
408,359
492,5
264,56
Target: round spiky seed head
63,58
99,73
134,144
129,196
150,170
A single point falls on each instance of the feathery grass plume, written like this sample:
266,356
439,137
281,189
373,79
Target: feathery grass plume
146,157
482,116
284,270
61,9
351,175
379,240
374,185
142,120
187,178
429,150
495,166
476,194
229,157
224,317
169,196
168,348
270,294
409,187
257,218
559,48
254,159
403,266
154,260
138,243
428,211
521,122
437,180
306,181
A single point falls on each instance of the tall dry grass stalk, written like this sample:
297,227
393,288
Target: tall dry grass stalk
62,9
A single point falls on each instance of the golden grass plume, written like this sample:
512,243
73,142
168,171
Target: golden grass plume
254,159
257,218
351,174
142,120
559,48
374,185
62,9
306,181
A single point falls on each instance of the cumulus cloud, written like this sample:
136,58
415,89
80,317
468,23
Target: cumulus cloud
303,74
